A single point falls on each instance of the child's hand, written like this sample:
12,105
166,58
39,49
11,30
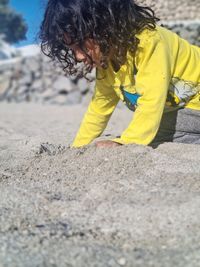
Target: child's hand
107,143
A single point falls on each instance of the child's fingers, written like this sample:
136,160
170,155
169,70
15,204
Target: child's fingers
106,143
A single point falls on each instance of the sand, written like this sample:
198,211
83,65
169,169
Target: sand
126,206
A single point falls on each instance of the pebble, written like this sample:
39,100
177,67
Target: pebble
122,261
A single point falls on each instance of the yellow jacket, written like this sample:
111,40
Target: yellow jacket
168,77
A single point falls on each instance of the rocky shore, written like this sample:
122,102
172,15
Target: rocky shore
31,77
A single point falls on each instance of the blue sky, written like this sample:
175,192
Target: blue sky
32,11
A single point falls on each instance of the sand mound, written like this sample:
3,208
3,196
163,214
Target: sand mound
128,206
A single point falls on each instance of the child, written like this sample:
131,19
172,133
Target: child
152,70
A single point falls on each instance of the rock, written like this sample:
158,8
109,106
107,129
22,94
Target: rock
83,86
50,149
188,31
29,51
46,81
63,83
12,91
22,90
91,86
4,85
122,261
59,100
21,97
37,85
74,97
37,75
9,64
32,64
48,94
34,97
26,78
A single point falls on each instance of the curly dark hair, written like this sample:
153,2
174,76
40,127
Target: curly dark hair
113,24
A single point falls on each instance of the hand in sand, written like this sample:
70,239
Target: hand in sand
107,143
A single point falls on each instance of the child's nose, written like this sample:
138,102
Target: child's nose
80,56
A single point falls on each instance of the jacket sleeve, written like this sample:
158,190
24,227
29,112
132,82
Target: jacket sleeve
98,113
152,82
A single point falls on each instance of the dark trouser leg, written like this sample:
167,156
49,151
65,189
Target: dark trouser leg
181,126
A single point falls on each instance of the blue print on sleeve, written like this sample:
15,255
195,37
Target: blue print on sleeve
130,99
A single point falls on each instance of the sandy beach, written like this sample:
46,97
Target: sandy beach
61,207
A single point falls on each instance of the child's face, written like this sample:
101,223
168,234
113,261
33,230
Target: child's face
92,49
